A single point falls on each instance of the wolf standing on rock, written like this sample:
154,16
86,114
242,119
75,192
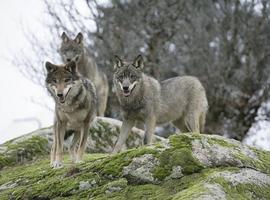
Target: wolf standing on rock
75,109
180,100
74,50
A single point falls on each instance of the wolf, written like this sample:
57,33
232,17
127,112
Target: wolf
180,100
75,109
73,49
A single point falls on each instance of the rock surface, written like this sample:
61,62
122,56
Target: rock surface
186,166
103,135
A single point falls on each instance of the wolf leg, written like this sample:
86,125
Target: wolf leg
150,126
180,124
53,149
192,122
52,154
102,99
124,132
202,121
83,140
73,147
60,134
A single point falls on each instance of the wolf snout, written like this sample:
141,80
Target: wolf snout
125,88
60,95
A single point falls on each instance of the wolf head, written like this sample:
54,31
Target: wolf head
60,80
128,75
72,49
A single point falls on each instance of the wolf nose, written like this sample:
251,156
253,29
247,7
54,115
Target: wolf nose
60,95
68,59
125,88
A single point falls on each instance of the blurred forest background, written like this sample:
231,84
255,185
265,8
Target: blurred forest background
225,43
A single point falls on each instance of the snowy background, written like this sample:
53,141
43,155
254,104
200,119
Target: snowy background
22,102
18,112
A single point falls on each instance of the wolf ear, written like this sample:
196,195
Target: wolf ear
64,37
138,62
50,67
117,62
78,39
71,67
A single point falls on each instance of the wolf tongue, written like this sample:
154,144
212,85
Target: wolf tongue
61,99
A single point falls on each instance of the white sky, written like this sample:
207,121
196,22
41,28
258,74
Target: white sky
16,91
17,111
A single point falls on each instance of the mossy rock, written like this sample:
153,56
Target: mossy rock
102,137
187,166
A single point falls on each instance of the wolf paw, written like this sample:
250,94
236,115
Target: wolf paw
115,151
57,164
79,161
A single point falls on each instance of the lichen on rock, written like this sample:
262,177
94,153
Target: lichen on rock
140,169
184,167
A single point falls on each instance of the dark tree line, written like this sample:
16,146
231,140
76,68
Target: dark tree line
225,43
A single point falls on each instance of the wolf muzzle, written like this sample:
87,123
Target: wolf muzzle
128,89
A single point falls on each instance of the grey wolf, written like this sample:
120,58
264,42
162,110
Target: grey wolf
180,100
73,49
75,109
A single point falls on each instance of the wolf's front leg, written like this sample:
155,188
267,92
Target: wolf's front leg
53,149
150,125
83,140
58,144
124,132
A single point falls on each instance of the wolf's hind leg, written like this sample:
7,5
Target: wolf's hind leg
53,153
150,126
74,145
202,121
192,122
102,101
180,124
82,144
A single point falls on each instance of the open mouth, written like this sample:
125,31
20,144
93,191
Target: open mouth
62,99
126,93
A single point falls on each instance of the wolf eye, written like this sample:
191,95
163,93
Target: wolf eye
132,76
120,78
67,80
54,80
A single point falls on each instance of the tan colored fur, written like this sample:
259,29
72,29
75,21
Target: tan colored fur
180,100
75,109
74,50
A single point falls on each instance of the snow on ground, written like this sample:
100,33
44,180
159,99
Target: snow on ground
259,133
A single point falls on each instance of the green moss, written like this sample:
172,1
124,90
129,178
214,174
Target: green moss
180,154
181,140
4,161
147,191
192,192
23,151
221,142
36,179
114,164
119,184
242,191
264,160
